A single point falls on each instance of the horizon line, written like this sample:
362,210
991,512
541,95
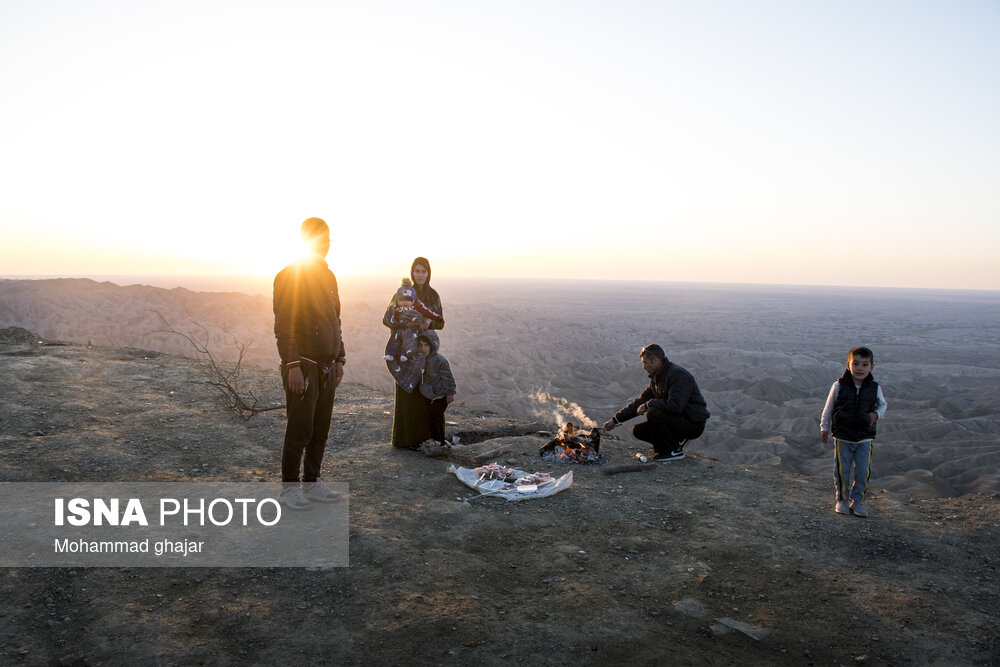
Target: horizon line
521,279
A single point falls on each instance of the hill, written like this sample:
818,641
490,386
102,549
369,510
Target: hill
561,350
698,562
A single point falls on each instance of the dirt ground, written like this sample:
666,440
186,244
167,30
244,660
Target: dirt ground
693,562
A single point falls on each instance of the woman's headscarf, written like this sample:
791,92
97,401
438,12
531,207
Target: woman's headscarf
427,265
425,292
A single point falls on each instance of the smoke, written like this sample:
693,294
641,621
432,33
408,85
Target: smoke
560,409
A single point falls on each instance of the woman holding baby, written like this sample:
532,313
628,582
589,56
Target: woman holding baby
410,417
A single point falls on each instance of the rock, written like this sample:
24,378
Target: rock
719,629
691,607
18,336
569,549
259,420
750,631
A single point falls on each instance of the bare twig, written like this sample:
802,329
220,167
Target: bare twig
230,381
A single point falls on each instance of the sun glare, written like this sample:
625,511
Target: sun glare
419,130
266,258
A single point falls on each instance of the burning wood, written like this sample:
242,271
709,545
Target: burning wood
573,445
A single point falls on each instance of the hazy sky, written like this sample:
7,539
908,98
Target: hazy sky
848,142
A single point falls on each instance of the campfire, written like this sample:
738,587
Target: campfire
573,445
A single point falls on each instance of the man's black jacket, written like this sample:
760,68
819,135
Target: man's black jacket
673,390
307,313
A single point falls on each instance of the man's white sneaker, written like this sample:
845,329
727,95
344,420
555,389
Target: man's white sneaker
320,492
842,507
858,509
292,498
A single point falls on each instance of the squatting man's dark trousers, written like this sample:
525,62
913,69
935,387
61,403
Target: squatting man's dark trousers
309,417
664,430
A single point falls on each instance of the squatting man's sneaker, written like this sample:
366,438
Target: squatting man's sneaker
292,498
841,507
663,457
858,509
320,492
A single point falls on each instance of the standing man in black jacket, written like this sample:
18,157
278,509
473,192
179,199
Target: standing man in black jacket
307,328
674,407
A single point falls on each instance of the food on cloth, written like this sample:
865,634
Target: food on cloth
511,490
495,471
535,478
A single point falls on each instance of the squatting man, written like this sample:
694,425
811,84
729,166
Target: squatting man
673,405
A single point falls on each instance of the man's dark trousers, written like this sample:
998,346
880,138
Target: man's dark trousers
664,430
309,417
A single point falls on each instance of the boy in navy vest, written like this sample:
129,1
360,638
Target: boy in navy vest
854,405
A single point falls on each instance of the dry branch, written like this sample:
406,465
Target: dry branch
629,467
230,381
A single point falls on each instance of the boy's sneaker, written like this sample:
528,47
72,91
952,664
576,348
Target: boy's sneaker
293,499
842,507
403,357
388,357
663,457
858,509
320,492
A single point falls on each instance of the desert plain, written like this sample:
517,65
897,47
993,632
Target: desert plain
731,556
764,356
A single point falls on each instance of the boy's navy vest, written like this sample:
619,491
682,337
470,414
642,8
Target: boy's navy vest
852,407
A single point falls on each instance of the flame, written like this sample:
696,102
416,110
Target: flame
572,446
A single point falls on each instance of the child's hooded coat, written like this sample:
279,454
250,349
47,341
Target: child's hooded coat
437,379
